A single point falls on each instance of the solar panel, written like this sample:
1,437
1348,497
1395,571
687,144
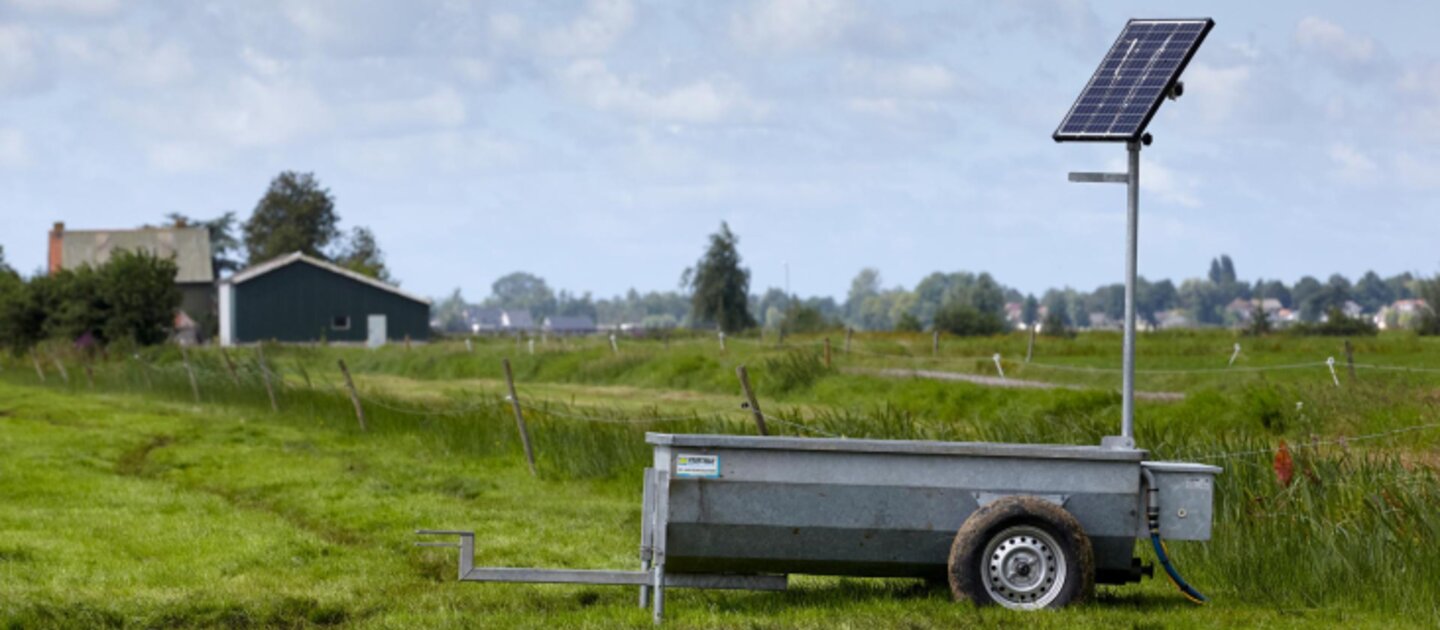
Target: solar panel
1136,75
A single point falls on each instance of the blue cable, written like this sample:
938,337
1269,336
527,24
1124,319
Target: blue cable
1180,583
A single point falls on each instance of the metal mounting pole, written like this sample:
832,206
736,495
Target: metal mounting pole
1132,229
1131,178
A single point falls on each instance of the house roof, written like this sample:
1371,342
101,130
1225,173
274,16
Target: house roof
188,247
298,257
562,322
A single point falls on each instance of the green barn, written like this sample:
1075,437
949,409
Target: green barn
299,299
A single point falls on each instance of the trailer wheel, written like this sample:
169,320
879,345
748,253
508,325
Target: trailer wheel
1022,553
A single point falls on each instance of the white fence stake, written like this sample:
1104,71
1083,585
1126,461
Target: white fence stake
532,346
468,346
1330,362
1234,355
998,367
614,347
722,341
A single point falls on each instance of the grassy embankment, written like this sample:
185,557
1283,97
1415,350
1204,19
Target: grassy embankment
161,510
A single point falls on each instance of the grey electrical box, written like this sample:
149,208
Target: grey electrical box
1187,497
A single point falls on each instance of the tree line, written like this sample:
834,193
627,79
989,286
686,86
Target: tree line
715,293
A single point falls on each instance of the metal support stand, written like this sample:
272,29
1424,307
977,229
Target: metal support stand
1131,178
651,578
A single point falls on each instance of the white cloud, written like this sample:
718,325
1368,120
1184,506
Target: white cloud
1351,55
13,149
593,33
922,80
1159,180
780,25
244,112
1217,91
1418,172
19,63
75,8
129,56
441,108
702,101
1353,166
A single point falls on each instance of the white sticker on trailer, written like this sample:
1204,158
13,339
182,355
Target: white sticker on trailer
705,466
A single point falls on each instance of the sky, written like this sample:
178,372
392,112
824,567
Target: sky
598,143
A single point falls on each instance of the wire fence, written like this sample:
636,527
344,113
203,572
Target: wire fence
249,371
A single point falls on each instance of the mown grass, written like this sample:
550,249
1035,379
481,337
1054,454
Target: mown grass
1348,542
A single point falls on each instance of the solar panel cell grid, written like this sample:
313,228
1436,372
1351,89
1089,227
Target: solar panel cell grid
1132,80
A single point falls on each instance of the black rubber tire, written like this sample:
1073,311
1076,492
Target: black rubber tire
968,550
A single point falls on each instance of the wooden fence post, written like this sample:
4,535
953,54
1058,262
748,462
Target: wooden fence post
39,371
519,417
827,353
194,385
1350,358
230,367
265,376
750,398
1030,349
354,395
60,367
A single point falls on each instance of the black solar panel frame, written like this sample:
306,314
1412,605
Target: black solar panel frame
1207,23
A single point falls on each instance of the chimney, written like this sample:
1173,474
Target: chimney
57,237
181,222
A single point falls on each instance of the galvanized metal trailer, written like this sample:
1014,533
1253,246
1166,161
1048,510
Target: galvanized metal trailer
1021,525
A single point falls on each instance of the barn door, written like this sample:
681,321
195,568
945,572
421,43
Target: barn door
375,331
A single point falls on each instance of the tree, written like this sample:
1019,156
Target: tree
21,321
140,297
1372,293
1259,321
570,305
719,286
1057,305
865,285
224,246
522,291
1030,310
449,313
908,322
295,214
1273,289
362,254
1227,270
1429,321
1304,289
959,318
1154,297
775,299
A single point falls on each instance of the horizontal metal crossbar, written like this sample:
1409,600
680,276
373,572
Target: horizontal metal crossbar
1100,178
627,578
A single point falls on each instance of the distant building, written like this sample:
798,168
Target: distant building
296,298
569,325
189,247
499,320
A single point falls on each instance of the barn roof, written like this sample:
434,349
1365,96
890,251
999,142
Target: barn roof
298,257
188,247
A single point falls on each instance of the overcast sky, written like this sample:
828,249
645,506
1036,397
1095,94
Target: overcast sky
598,143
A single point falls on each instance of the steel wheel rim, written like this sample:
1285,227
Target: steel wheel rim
1023,568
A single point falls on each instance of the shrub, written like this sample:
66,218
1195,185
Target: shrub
966,320
1338,324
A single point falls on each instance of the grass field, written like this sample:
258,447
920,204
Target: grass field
128,504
